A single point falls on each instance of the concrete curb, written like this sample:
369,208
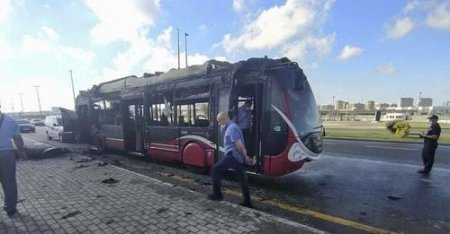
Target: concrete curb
376,140
276,218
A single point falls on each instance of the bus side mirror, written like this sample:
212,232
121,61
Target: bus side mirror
54,125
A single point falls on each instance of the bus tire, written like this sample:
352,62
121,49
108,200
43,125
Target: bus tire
194,157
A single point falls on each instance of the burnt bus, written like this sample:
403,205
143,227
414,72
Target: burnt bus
171,116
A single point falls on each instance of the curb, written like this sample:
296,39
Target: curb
276,218
376,140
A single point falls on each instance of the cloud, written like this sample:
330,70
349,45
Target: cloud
5,10
6,51
399,28
439,17
47,42
53,91
386,69
238,5
419,14
278,25
349,52
82,55
122,20
298,50
148,55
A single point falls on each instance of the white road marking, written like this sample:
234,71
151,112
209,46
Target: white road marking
385,147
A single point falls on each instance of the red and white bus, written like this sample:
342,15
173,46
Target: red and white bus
171,116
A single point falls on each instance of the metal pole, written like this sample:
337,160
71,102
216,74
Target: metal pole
73,91
334,108
39,99
178,47
21,104
185,47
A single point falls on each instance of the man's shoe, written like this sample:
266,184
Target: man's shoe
11,213
246,204
215,197
423,172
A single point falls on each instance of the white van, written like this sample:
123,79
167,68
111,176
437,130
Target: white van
53,127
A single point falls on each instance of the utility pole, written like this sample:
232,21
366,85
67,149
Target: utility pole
38,98
334,109
418,103
73,91
178,47
21,104
185,47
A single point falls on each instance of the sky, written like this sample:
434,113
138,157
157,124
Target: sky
350,50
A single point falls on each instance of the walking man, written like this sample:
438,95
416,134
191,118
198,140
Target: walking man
9,130
430,143
234,158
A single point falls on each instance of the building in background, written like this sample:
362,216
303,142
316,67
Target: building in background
370,105
425,102
406,102
381,106
358,107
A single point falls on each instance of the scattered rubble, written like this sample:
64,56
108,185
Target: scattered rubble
110,181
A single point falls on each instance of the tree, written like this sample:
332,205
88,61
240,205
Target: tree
398,127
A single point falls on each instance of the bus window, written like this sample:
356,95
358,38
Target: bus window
194,114
108,112
201,114
160,111
277,123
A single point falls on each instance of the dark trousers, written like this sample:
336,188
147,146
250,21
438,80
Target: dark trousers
225,163
8,179
428,156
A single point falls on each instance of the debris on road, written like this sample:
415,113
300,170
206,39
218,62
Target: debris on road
71,214
110,181
394,198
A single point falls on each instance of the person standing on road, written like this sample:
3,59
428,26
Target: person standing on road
234,157
9,130
430,143
243,121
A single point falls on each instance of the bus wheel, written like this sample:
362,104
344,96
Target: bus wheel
194,157
48,136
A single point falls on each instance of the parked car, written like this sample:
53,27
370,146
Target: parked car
37,122
25,126
53,127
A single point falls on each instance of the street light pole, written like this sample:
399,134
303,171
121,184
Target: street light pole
73,91
178,47
39,99
334,108
185,47
21,104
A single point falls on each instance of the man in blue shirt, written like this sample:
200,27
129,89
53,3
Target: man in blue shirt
9,130
430,144
234,157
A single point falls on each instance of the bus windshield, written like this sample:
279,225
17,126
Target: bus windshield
292,91
303,107
293,96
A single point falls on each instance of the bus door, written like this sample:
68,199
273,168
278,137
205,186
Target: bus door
133,127
223,105
253,93
162,134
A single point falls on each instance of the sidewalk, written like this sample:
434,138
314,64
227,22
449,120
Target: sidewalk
64,195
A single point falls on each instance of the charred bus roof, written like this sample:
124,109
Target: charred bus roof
132,86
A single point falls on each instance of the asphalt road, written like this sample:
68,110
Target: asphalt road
356,187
